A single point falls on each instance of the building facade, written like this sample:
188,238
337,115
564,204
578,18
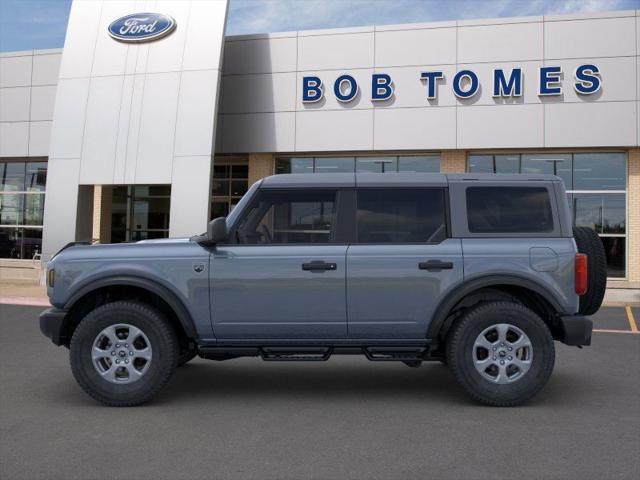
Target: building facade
114,141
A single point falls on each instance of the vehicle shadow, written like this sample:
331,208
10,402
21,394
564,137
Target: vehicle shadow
249,378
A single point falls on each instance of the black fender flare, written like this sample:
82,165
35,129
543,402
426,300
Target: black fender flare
464,289
183,315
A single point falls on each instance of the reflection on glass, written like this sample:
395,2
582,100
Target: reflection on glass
334,164
507,163
12,209
605,213
427,163
481,164
36,176
294,165
615,248
33,209
599,171
12,176
377,164
553,164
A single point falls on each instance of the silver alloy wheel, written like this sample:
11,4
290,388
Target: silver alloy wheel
502,353
121,353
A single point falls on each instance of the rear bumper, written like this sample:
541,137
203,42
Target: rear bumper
52,323
576,330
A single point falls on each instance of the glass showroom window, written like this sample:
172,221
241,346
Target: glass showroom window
22,191
369,163
140,212
596,187
230,183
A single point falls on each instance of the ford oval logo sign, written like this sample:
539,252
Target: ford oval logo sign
141,27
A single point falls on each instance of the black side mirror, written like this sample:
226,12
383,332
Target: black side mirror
217,230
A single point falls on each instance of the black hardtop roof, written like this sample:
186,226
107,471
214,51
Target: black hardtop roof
402,179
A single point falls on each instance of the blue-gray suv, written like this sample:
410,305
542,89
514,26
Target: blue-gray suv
481,272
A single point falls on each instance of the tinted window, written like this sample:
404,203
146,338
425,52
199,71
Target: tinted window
401,216
289,216
509,210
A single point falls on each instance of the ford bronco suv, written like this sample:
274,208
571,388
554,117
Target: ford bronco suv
481,272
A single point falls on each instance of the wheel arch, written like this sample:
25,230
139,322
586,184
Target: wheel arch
109,289
532,294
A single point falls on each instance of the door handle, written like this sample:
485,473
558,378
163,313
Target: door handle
319,266
435,265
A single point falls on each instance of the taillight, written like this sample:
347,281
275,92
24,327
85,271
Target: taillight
581,273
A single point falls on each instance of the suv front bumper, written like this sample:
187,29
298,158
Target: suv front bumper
52,323
576,330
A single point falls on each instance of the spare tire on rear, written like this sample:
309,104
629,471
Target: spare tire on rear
589,243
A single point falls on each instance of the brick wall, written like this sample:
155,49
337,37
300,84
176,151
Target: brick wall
260,165
453,161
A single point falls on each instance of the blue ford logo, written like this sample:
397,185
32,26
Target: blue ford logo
141,27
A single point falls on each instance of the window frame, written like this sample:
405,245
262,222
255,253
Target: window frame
445,204
460,221
340,234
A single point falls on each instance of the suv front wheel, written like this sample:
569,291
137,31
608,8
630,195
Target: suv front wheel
123,353
502,353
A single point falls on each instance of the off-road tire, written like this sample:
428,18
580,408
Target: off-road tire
459,351
163,342
589,243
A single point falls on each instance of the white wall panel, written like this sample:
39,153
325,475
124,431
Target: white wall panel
500,43
196,113
101,130
14,104
80,41
39,136
204,39
157,128
190,196
590,38
165,55
415,128
15,71
326,52
110,56
618,76
502,126
70,105
61,201
260,56
14,139
259,132
484,71
334,130
330,101
591,124
411,90
46,69
430,46
259,93
42,102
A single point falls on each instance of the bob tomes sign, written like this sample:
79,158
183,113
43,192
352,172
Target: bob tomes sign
465,84
141,27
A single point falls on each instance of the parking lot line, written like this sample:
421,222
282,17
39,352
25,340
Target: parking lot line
632,321
601,330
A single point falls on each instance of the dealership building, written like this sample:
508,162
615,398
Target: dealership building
116,139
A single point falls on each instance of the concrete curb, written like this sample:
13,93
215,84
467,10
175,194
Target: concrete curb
27,301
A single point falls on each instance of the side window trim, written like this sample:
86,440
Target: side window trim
447,214
335,236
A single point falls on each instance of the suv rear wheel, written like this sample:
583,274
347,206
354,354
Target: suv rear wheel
123,353
502,353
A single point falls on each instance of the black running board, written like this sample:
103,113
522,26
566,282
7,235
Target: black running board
316,353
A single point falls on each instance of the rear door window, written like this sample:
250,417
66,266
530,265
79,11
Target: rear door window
509,210
401,216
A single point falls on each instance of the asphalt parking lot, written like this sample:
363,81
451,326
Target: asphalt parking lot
345,418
